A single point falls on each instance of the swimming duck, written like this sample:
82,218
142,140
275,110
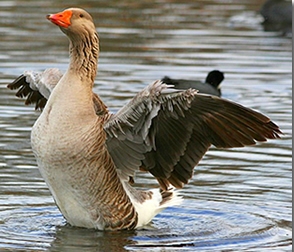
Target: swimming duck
210,86
277,15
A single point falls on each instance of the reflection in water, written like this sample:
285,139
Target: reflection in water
68,239
239,199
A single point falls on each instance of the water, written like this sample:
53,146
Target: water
238,200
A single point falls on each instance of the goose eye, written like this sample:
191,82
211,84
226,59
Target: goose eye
81,15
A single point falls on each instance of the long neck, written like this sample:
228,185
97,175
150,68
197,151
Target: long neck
84,53
77,83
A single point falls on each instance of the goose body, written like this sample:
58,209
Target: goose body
89,156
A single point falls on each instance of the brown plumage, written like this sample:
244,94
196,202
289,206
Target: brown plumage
88,156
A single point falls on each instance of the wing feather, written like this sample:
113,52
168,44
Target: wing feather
168,131
36,86
163,130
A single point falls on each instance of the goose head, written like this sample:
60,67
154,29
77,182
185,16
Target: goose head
73,22
78,26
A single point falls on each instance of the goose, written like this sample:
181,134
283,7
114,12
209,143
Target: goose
89,156
210,86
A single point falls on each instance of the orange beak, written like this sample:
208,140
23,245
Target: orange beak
61,19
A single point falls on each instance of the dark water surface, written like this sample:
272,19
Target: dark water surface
238,200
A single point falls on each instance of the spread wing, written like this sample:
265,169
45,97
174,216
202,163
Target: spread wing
36,86
167,132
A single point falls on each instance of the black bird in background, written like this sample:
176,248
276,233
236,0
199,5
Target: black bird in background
210,86
277,15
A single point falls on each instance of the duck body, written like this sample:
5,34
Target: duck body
210,86
277,15
88,156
